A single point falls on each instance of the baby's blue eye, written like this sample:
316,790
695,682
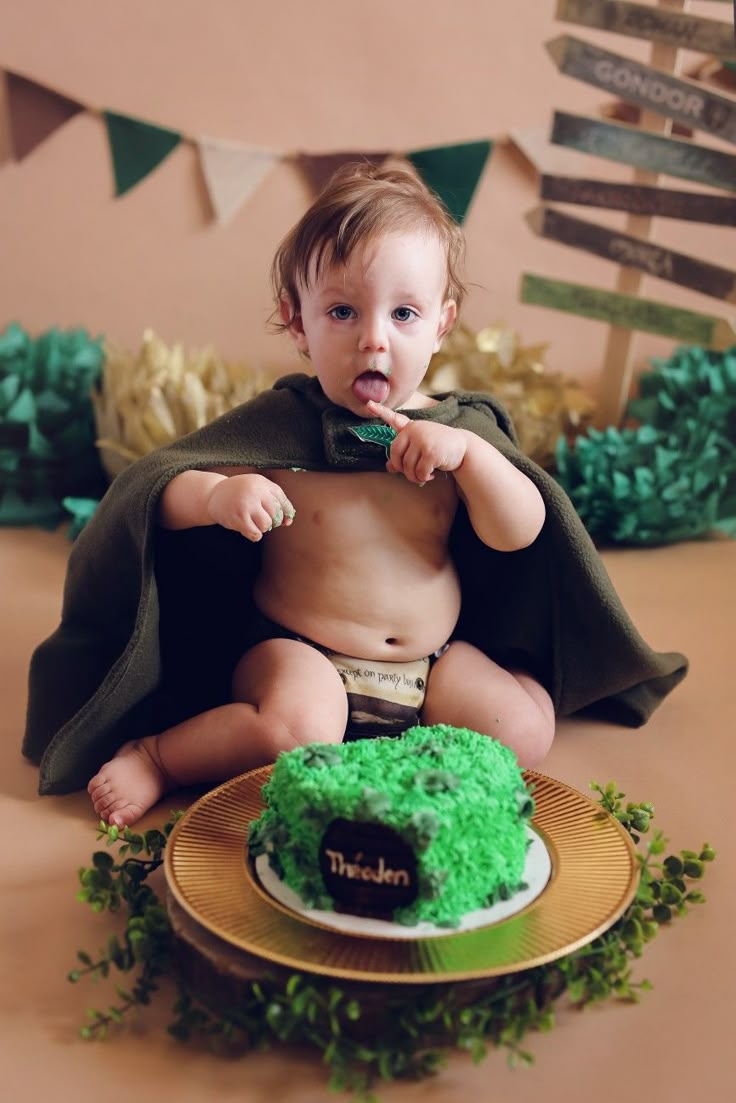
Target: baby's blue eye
342,313
404,314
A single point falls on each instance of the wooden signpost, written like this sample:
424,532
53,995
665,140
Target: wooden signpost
663,97
656,24
651,152
684,101
629,312
720,210
655,260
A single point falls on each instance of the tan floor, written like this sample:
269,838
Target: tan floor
676,1044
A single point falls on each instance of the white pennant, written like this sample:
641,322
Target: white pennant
232,173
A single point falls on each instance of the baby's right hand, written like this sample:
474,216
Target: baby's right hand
249,504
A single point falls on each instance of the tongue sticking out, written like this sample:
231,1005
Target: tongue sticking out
371,386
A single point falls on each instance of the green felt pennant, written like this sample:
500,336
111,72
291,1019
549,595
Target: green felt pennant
672,477
137,148
452,172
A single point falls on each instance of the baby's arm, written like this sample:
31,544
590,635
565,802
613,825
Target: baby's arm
505,508
236,498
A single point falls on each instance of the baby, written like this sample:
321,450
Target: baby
357,588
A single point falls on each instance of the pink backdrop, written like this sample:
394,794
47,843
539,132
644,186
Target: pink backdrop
293,77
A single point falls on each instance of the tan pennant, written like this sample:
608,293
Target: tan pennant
34,113
232,173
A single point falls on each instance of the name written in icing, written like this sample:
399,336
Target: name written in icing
354,871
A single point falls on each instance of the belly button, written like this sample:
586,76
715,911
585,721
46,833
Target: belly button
392,640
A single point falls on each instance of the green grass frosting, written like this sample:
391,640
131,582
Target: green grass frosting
456,797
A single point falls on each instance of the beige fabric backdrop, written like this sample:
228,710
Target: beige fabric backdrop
330,75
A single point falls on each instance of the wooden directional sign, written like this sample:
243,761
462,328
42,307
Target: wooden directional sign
641,199
629,312
655,260
652,152
657,24
682,100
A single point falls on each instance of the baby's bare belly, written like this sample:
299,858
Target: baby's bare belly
364,568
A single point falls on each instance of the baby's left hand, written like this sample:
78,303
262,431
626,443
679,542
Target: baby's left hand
421,447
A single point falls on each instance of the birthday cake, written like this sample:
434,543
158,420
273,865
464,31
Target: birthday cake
422,828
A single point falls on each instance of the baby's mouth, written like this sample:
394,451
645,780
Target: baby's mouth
371,386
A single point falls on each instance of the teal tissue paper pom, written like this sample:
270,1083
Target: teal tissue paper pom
47,430
671,477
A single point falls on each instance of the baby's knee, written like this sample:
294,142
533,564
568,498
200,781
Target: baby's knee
533,737
288,733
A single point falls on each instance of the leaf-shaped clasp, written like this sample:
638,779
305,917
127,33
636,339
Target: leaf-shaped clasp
375,434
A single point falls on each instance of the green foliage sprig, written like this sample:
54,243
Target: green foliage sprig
370,1033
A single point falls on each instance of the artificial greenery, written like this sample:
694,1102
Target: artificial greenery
673,475
370,1033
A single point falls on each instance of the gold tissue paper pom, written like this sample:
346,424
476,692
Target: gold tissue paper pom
149,398
543,405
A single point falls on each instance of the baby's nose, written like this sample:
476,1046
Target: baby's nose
372,335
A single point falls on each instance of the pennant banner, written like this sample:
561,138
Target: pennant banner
641,199
317,168
34,113
657,24
647,151
137,148
634,252
232,173
452,172
629,312
686,102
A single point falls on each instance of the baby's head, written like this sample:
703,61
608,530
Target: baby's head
360,204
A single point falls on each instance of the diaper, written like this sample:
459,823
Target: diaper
384,698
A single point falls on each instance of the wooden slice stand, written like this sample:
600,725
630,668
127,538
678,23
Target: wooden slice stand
220,975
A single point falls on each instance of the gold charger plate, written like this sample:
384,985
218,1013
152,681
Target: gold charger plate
593,880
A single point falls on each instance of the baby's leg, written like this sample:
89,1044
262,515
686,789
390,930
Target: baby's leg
286,694
468,690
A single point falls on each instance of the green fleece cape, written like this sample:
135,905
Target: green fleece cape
154,621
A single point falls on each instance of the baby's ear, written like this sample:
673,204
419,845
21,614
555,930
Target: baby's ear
447,321
292,319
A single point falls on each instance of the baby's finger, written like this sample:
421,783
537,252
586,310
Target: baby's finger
259,522
276,511
281,510
424,471
397,454
391,417
418,466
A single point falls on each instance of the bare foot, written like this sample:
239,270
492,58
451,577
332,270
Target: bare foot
129,784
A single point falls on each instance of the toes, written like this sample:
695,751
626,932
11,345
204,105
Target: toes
103,802
126,815
98,782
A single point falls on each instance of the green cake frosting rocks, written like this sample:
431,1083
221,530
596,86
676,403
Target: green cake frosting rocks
424,827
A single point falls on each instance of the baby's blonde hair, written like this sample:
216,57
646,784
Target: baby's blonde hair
361,202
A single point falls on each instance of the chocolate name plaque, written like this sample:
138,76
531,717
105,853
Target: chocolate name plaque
367,868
